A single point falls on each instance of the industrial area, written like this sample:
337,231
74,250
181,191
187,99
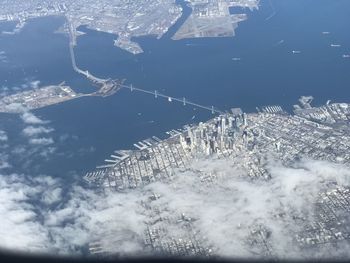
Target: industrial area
50,95
248,141
213,19
128,19
37,98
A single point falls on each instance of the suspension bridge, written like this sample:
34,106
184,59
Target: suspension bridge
110,83
184,101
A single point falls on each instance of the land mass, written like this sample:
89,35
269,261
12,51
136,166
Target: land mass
127,19
50,95
37,98
246,144
213,18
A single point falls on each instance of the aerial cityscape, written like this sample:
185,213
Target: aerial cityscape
249,141
129,19
215,129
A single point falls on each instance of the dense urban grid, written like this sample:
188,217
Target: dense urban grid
249,142
129,19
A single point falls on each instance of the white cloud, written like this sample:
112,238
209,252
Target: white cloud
4,91
16,108
34,84
46,152
41,141
4,157
4,164
3,57
33,131
19,150
30,83
66,227
52,197
3,136
19,223
40,144
30,118
38,215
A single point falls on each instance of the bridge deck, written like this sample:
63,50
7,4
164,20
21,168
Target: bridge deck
131,88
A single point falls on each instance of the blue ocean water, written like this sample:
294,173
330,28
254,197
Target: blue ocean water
201,70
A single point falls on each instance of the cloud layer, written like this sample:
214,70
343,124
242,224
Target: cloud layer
212,200
38,217
42,214
230,207
30,118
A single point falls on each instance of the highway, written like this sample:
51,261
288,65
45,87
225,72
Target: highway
74,63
